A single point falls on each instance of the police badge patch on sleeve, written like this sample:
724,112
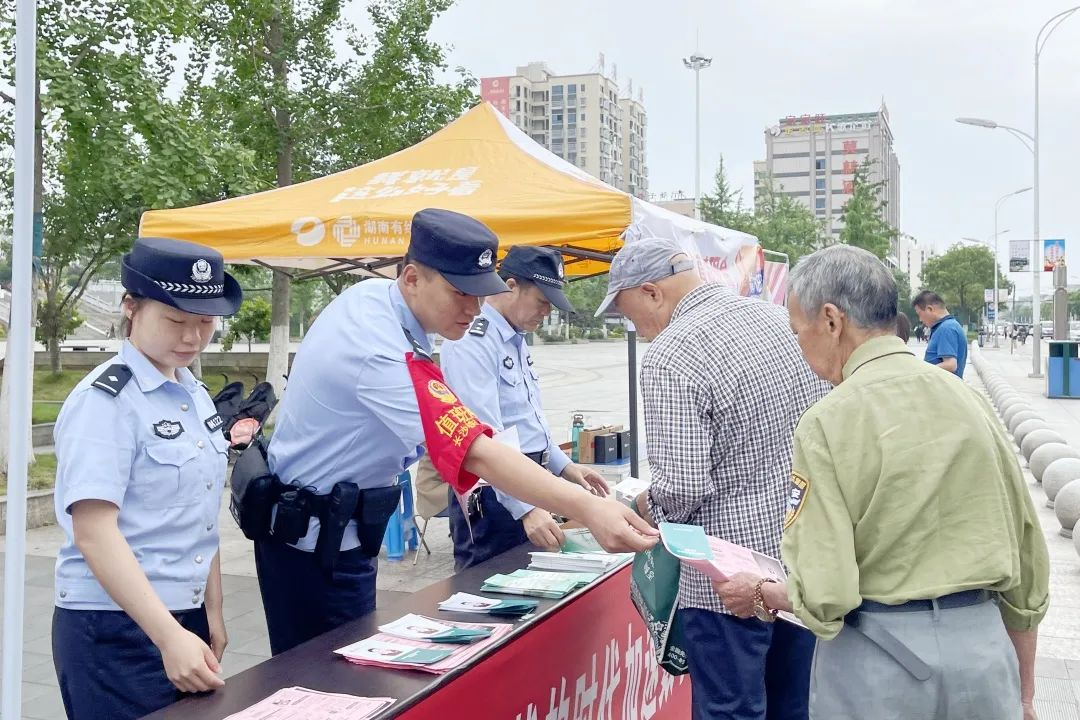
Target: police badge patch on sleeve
168,429
800,486
214,422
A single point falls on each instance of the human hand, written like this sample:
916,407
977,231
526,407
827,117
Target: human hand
542,529
618,528
189,663
738,594
219,637
1029,710
587,478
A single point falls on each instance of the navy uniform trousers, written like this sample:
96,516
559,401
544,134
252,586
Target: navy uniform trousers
494,531
107,667
747,669
301,602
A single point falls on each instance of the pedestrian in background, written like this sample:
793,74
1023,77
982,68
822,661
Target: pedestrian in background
903,327
948,346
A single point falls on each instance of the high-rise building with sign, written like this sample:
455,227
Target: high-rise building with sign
584,119
813,158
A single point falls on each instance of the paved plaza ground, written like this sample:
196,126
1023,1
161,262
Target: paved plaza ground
590,378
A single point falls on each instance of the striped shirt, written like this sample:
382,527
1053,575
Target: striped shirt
724,386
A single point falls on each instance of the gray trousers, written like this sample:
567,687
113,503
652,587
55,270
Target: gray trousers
975,675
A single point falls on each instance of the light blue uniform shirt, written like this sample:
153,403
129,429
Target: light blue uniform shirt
349,411
493,375
149,451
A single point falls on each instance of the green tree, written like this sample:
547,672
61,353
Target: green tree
784,224
780,223
273,75
252,322
960,277
904,295
724,207
586,295
103,161
864,223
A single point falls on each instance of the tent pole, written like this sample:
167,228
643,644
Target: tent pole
19,348
631,359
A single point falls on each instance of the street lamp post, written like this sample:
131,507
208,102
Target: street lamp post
1036,267
997,253
992,245
697,63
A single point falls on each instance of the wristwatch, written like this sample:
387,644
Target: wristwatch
762,611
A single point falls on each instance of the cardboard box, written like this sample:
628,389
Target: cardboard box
585,441
605,449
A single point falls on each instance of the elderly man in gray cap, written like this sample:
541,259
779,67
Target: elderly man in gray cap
723,385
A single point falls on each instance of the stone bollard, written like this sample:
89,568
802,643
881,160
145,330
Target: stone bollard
1022,417
1026,428
1008,415
1046,454
1067,507
1059,474
1036,439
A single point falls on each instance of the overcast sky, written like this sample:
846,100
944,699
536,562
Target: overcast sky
931,60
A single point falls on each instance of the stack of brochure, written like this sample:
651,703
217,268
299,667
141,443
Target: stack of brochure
466,603
297,703
388,651
574,561
418,627
538,584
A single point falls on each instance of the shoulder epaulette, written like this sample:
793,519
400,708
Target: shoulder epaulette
113,379
479,327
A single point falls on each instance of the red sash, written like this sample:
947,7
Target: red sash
449,427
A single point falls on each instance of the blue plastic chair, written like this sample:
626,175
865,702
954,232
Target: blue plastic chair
401,529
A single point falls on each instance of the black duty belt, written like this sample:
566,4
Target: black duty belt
966,598
540,458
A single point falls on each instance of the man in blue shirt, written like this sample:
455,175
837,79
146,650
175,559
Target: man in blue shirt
349,420
491,370
948,346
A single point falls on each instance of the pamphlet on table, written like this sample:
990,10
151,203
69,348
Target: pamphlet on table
297,703
388,651
418,627
540,584
467,603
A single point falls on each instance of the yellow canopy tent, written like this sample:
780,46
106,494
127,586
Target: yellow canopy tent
481,165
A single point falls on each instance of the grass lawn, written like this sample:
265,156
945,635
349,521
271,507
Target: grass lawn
51,390
42,474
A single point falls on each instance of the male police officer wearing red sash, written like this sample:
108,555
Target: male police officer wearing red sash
361,399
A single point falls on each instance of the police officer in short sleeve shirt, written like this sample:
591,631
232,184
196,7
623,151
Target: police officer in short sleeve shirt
140,471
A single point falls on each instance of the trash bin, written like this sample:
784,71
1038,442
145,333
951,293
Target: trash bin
1063,369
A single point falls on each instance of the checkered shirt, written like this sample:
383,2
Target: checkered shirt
724,386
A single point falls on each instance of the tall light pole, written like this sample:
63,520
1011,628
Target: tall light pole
1036,266
697,63
997,253
993,246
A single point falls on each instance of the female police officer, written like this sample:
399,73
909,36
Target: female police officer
140,470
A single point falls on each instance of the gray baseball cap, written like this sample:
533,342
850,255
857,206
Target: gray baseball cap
643,261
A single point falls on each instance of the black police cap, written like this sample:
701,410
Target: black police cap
184,275
542,266
460,248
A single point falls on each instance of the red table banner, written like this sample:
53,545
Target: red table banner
590,660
